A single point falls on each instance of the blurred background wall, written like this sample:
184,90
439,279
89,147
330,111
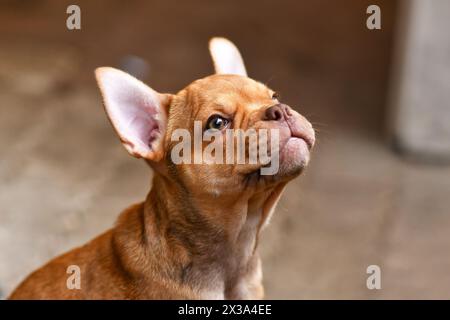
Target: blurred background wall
64,177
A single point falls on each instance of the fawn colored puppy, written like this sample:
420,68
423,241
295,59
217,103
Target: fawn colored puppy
196,234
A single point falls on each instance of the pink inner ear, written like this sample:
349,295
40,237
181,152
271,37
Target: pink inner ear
137,118
142,124
134,110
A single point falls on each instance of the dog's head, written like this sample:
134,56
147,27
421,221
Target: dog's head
225,134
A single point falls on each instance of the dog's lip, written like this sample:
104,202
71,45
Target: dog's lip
300,135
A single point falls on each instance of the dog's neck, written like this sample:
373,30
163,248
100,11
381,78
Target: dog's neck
211,243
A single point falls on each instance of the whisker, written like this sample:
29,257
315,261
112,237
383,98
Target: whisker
266,83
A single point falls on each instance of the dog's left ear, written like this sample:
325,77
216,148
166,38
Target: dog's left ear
226,57
138,113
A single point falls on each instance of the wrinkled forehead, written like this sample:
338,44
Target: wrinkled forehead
228,92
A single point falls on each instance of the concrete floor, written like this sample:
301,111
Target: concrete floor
64,177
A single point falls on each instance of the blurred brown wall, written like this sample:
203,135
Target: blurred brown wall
318,54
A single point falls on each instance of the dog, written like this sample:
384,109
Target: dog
196,234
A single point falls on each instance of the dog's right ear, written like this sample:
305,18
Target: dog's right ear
137,112
226,57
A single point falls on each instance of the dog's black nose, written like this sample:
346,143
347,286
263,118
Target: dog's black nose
277,112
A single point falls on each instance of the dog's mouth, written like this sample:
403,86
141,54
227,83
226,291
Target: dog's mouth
289,157
306,135
292,158
309,142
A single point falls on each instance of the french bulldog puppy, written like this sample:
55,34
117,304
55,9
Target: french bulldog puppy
196,234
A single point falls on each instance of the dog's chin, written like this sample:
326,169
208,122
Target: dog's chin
294,157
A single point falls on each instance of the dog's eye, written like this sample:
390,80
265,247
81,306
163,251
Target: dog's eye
217,122
275,95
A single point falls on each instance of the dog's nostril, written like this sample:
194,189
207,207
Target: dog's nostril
274,113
